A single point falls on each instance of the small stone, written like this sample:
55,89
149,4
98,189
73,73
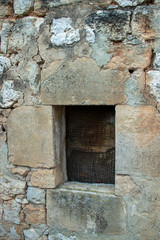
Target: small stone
90,35
156,63
8,95
64,33
23,171
61,25
153,82
4,64
36,195
14,233
1,210
30,234
21,199
35,214
128,3
46,178
22,6
12,211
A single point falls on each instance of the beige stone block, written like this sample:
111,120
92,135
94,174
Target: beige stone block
124,185
30,137
83,82
34,214
46,178
137,140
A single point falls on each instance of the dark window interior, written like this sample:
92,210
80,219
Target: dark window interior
90,144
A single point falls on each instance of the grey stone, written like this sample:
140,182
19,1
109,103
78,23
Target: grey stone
156,63
85,212
1,210
134,88
8,95
2,231
64,33
36,195
90,35
76,82
128,3
101,46
12,211
3,154
4,64
30,234
22,6
10,187
153,82
13,233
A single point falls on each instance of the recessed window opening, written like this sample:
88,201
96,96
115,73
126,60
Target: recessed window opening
90,144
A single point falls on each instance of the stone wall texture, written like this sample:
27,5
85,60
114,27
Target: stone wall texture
72,52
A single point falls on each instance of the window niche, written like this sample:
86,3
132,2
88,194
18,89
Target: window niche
90,144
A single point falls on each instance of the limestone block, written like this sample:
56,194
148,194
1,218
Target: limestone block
12,211
137,140
36,195
153,82
85,212
35,214
83,82
46,178
22,6
30,137
145,22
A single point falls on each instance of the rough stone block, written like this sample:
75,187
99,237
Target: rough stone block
137,140
152,81
35,214
30,137
10,187
145,22
22,6
36,195
85,212
12,211
83,82
46,178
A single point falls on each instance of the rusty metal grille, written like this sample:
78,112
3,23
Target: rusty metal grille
90,140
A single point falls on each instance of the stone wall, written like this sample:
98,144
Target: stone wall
75,52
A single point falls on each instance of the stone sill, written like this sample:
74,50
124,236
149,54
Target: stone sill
88,187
